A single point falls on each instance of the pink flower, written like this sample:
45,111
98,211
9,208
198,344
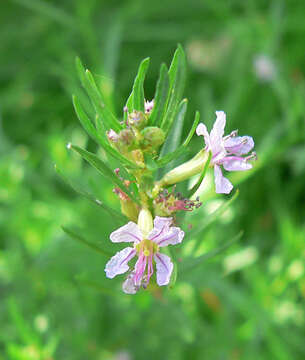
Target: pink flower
147,248
226,151
148,106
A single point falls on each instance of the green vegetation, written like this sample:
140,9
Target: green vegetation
244,296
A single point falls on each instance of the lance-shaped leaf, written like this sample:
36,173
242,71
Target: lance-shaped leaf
104,169
201,178
136,98
181,149
96,136
108,120
189,264
214,216
177,76
161,97
173,140
79,190
73,234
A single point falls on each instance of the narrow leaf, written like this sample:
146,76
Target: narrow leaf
138,88
88,82
104,169
161,97
177,76
181,149
75,236
190,264
214,216
78,189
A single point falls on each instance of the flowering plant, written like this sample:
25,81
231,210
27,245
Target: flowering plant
145,143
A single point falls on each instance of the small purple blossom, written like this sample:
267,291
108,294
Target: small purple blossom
149,106
147,248
226,151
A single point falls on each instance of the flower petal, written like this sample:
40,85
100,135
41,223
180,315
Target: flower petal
173,236
233,163
140,267
164,268
118,264
160,222
128,286
127,233
161,226
239,145
223,185
202,130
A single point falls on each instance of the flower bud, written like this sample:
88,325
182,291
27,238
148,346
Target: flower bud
186,170
137,119
145,222
153,137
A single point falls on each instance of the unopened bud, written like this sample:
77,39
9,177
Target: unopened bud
137,119
126,137
145,222
153,137
186,170
112,136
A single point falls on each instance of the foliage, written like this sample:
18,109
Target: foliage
246,303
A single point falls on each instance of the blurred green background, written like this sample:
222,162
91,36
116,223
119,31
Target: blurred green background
244,57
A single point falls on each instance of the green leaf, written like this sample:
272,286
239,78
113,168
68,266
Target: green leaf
181,149
214,216
190,264
107,119
78,189
104,169
138,87
75,236
204,171
161,97
100,140
85,121
177,76
136,98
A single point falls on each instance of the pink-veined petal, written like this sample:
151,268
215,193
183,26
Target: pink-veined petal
173,236
160,222
222,184
127,233
164,268
236,164
140,267
118,264
239,145
161,226
201,130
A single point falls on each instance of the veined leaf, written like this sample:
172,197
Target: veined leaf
198,183
75,236
190,264
104,114
169,157
78,189
161,97
177,76
103,168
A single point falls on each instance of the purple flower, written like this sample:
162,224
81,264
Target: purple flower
226,151
149,106
147,248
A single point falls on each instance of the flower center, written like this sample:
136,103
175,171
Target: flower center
147,247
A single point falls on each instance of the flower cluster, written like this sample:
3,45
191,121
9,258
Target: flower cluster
140,142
